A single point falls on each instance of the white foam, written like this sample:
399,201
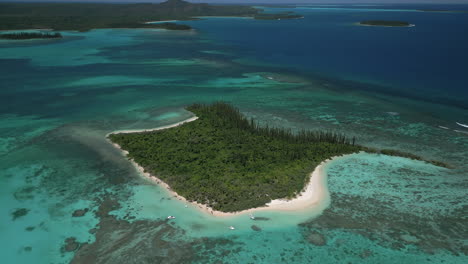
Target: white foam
459,131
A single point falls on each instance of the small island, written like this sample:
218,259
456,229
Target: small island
278,16
30,35
385,23
231,163
226,162
165,25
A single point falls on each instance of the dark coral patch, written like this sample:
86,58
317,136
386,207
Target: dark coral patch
19,213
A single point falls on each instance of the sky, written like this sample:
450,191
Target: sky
262,1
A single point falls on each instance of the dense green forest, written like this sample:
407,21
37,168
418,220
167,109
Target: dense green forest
229,162
30,35
86,16
279,16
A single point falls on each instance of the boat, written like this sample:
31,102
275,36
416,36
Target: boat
251,216
232,228
171,217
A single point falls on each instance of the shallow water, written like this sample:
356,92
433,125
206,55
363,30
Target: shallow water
60,98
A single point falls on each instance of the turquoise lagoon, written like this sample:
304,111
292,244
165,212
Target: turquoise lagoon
60,98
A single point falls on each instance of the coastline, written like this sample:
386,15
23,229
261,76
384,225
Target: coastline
28,29
127,131
314,196
161,21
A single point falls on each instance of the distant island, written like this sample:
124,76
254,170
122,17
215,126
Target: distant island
279,16
87,16
385,23
30,35
230,163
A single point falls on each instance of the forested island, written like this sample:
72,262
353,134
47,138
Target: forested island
30,35
385,23
87,16
279,16
231,163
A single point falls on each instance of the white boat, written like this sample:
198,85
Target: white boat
232,228
460,124
171,217
251,216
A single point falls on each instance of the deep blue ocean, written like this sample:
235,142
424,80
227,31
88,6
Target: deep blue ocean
68,196
427,61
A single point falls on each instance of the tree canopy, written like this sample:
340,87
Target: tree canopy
230,162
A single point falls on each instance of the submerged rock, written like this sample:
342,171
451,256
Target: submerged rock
256,228
19,213
80,212
409,238
70,245
365,254
261,218
317,239
25,193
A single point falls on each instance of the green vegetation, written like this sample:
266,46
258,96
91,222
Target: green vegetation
385,23
86,16
32,35
229,162
167,25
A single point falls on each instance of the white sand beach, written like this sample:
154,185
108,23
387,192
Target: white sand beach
152,129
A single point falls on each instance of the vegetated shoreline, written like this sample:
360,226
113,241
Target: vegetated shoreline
87,16
30,35
315,195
